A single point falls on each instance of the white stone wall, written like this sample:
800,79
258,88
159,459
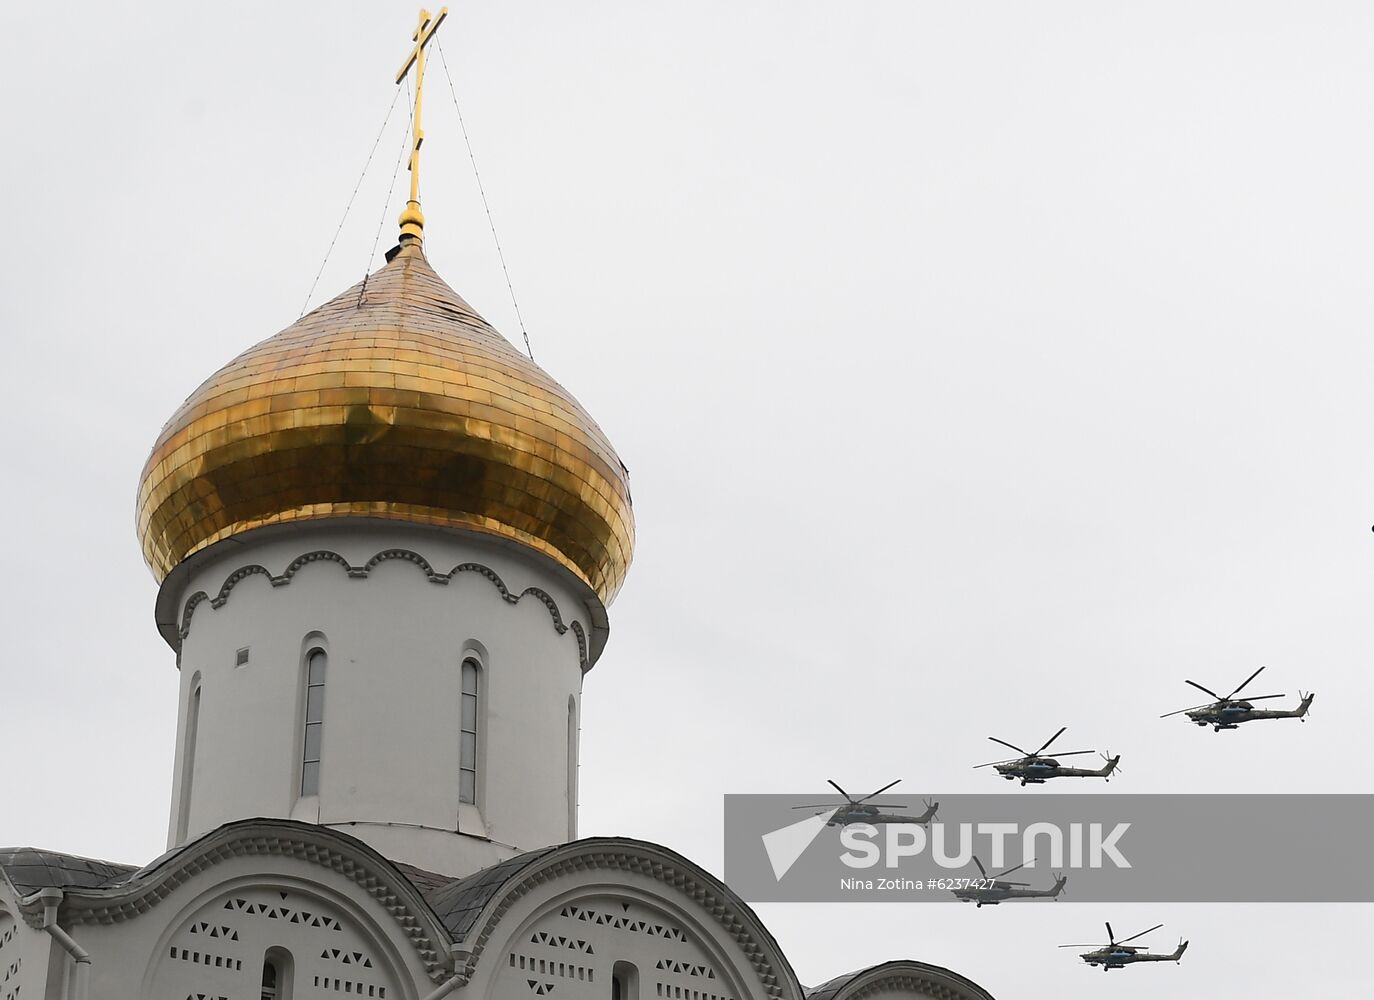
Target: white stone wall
575,948
568,936
11,960
29,965
199,927
207,939
14,950
209,936
219,949
395,641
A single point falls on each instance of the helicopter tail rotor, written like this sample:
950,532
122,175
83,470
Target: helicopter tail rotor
933,808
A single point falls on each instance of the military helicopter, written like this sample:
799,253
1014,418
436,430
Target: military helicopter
997,890
855,811
1034,769
1230,712
1116,954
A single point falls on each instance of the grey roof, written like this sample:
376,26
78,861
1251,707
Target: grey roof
828,989
459,902
30,870
456,901
832,988
423,880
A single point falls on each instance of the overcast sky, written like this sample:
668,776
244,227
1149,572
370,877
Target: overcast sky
981,369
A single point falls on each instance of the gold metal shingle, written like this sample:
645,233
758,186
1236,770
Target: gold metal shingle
408,407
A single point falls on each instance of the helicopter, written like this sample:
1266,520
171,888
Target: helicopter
1230,711
996,890
1033,769
855,811
1116,954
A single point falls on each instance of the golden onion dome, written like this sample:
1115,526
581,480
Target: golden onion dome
394,400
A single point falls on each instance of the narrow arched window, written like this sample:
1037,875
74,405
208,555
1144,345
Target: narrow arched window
624,981
270,978
467,748
278,970
188,762
315,665
572,767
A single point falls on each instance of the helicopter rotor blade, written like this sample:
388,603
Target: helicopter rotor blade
849,798
1012,746
1180,711
879,791
992,762
820,805
1141,934
1016,869
1072,753
981,870
1262,697
1243,683
1110,936
1208,690
1080,946
1049,741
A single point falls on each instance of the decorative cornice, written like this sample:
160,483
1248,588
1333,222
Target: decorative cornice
362,573
920,985
426,933
276,838
616,854
914,977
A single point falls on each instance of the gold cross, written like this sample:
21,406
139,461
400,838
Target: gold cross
412,219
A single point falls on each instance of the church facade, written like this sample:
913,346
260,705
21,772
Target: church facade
385,512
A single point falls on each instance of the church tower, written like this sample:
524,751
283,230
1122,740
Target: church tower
385,541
